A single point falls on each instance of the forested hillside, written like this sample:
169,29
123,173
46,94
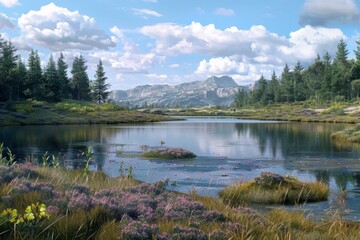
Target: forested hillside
325,80
27,80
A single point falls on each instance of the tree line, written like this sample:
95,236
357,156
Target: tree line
324,80
21,81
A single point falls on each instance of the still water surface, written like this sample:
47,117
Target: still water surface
228,150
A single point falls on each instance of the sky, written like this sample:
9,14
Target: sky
172,42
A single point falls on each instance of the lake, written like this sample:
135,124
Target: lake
228,150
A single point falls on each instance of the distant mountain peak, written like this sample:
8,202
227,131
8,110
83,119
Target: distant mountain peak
219,91
222,82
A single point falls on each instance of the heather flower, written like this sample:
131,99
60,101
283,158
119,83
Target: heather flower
78,196
139,231
183,233
53,210
217,235
213,216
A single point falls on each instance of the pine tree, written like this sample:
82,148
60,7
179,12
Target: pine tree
52,84
63,78
7,70
21,73
313,79
242,98
286,84
34,85
80,79
259,94
341,74
99,87
299,85
274,89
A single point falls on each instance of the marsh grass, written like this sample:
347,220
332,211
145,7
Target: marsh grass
97,222
289,191
347,136
94,180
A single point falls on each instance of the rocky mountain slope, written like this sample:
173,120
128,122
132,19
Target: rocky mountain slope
219,91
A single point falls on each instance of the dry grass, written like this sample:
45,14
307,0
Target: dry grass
287,192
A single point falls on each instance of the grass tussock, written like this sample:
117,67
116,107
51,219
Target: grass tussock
99,207
169,153
351,135
284,191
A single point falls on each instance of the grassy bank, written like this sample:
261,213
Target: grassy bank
70,112
347,136
54,203
346,112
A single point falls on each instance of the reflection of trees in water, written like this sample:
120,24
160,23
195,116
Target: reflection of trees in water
68,140
292,139
341,178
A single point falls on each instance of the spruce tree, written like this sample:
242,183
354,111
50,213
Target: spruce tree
63,78
7,70
21,72
286,84
34,85
99,87
80,79
341,74
52,84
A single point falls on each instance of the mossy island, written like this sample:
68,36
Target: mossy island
272,188
169,153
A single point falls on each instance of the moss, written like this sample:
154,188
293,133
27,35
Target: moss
169,153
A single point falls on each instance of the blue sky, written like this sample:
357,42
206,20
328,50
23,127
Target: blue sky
171,41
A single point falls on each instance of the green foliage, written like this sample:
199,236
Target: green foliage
80,79
99,87
88,158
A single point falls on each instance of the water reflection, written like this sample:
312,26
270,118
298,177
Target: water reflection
229,150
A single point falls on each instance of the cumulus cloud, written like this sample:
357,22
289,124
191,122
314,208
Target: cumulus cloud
9,3
146,12
5,22
58,28
240,52
225,12
321,12
256,44
129,62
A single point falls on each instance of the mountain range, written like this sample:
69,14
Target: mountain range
218,91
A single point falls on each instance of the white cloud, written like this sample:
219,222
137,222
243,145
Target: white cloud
9,3
5,22
152,1
257,44
308,41
158,77
321,12
58,28
242,52
175,65
225,12
146,12
129,62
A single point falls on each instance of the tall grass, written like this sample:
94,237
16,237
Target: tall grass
289,191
